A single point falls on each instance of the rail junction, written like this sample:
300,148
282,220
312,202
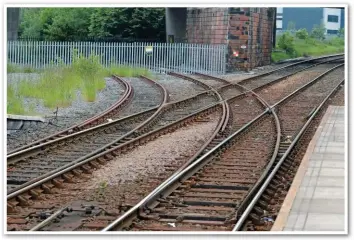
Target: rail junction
235,179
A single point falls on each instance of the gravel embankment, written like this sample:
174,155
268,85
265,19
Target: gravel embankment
133,175
144,168
238,76
79,111
178,88
145,96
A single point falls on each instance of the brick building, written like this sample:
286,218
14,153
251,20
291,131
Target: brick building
248,32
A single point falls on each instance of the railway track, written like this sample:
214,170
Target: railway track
100,118
214,141
264,207
212,193
31,165
139,102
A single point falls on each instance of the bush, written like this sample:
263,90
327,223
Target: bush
341,33
318,32
302,33
286,42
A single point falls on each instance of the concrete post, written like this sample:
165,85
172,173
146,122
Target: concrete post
176,24
13,20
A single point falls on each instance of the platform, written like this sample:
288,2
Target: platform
317,198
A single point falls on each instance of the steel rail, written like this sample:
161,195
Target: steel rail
291,65
78,127
49,219
74,164
215,104
221,123
198,83
135,211
81,125
41,146
270,175
97,151
189,170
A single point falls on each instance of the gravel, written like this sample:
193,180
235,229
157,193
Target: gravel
281,89
178,88
132,176
236,77
146,96
338,99
66,117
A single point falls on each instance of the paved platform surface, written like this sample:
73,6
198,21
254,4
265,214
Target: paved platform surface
316,199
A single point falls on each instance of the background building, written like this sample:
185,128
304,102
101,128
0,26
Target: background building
332,18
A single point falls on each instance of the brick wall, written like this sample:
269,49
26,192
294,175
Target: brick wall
207,25
247,31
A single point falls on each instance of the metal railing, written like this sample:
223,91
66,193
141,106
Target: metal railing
159,57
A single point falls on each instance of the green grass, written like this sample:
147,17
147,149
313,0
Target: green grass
14,102
13,68
126,71
58,85
312,47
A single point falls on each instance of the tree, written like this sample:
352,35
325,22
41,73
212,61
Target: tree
286,42
302,33
318,31
30,23
128,22
71,24
341,32
68,24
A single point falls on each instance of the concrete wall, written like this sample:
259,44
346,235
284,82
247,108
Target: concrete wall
176,24
13,19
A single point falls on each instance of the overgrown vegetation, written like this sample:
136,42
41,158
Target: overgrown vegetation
318,32
300,43
73,24
14,102
58,84
302,33
12,68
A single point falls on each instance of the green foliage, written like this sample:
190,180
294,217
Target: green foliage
341,33
318,32
126,71
336,41
70,24
278,56
14,102
311,47
286,42
302,33
58,85
12,68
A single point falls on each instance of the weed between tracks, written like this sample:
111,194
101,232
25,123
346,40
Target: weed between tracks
59,84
